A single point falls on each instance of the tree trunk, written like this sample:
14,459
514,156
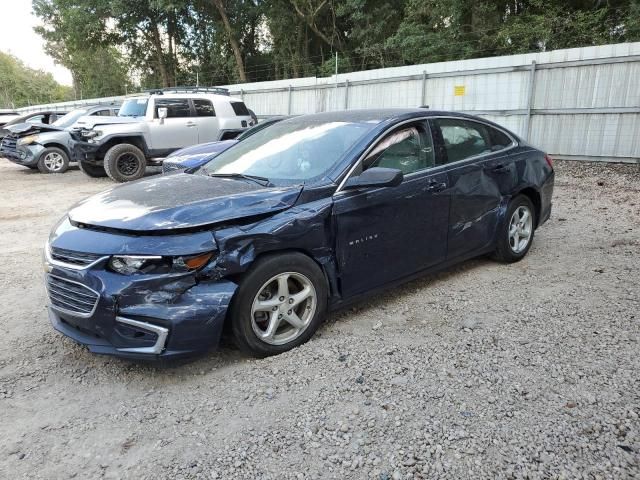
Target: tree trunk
235,45
157,44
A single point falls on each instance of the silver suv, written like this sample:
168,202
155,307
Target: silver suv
151,126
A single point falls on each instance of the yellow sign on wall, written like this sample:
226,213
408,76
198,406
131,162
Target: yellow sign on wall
459,91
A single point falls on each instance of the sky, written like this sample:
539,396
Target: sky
18,38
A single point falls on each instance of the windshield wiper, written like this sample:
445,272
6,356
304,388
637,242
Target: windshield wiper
264,181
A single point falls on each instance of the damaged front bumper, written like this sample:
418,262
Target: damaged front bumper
145,317
84,151
27,156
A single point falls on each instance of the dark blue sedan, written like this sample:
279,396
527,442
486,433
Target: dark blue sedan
197,155
300,218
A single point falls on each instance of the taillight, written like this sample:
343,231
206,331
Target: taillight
549,160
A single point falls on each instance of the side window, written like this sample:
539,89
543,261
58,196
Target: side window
240,109
499,140
102,113
176,107
408,149
462,139
204,108
37,119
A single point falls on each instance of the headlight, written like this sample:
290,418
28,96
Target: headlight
28,140
90,133
143,264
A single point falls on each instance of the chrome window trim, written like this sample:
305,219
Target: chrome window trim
51,261
156,348
64,310
514,143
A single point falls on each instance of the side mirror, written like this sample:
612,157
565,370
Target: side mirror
375,177
162,114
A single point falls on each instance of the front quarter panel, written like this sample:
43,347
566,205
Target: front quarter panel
306,228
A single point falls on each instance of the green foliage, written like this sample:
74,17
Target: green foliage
168,42
21,86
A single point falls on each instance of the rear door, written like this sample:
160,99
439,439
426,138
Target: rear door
179,128
206,120
477,165
384,234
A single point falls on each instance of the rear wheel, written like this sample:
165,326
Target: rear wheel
93,171
53,160
516,236
125,163
279,304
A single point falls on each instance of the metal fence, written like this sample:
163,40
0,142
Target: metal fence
581,103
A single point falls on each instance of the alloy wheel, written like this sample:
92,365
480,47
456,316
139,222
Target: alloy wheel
128,164
520,229
283,308
53,161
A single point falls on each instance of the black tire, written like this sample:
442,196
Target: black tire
125,163
264,269
93,171
53,160
505,251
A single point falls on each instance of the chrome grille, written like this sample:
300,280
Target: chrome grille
70,257
71,297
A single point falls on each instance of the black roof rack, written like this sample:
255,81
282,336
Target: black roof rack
161,91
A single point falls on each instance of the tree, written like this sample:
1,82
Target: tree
21,86
233,40
77,38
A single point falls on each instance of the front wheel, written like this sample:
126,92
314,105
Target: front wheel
279,304
53,160
516,235
125,163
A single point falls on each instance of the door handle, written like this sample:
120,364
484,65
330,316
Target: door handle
436,186
191,124
500,169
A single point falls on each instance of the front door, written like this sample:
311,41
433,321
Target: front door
384,234
177,130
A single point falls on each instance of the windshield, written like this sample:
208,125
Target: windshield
134,107
290,151
70,118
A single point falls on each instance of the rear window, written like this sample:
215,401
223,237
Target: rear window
241,109
204,108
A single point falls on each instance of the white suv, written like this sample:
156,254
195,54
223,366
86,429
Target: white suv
149,127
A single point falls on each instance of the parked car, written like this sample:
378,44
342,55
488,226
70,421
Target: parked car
302,217
151,126
7,116
47,147
46,117
198,155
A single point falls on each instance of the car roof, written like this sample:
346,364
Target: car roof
208,96
379,115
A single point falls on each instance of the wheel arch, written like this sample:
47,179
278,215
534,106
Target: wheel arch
272,253
533,195
60,147
135,140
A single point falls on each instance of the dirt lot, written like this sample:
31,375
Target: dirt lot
485,370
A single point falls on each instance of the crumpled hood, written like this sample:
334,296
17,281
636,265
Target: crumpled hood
23,128
180,201
91,121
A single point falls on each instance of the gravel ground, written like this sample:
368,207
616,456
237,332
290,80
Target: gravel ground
483,371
